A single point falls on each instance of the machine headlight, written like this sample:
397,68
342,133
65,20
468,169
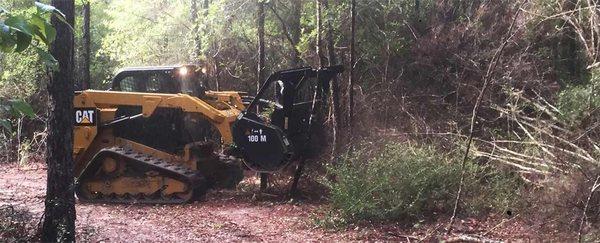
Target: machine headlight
183,71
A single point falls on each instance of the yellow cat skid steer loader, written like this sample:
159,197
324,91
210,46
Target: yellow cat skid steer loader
158,136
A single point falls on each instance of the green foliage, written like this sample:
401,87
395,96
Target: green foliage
102,65
147,32
24,38
577,102
407,182
14,108
23,74
31,28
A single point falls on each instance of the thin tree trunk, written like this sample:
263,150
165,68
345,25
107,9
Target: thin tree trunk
85,68
205,7
352,63
295,30
59,213
293,40
261,44
195,32
329,35
320,55
486,80
334,87
261,70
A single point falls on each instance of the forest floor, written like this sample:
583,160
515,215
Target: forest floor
236,216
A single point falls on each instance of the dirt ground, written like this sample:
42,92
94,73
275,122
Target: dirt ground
240,215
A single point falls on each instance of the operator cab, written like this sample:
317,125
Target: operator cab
168,129
186,79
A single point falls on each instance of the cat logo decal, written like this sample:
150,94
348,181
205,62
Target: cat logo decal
85,116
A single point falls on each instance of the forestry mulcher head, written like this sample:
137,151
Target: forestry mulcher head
158,136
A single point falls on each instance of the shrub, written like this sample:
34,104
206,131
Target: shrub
406,182
577,102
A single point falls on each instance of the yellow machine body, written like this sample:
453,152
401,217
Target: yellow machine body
110,168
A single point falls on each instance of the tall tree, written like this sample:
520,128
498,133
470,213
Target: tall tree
291,29
85,67
295,30
261,67
335,90
352,63
59,213
319,38
261,43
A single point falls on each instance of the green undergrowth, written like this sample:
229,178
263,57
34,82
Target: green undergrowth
577,103
408,183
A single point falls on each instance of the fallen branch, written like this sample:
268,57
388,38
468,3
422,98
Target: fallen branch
504,221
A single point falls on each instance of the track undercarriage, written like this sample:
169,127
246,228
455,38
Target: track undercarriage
132,173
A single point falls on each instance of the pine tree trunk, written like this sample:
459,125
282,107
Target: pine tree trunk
85,68
352,63
261,68
59,213
261,44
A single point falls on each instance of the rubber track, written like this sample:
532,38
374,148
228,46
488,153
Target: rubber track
193,179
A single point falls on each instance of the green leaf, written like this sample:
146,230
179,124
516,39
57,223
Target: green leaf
23,41
3,10
47,58
44,8
6,124
42,29
18,23
50,32
39,36
7,42
23,108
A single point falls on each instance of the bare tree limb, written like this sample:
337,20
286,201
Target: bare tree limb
486,80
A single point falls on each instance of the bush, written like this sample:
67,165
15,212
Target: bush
577,102
404,182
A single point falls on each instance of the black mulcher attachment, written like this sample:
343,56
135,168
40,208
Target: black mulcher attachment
269,143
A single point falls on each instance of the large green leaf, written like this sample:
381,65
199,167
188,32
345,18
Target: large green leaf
44,8
47,58
19,28
23,108
42,29
50,32
18,23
